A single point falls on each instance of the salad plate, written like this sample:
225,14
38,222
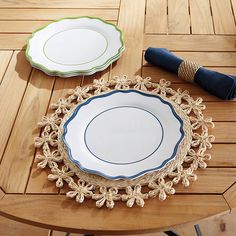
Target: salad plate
75,46
122,134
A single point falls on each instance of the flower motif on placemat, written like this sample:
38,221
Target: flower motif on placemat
62,106
79,93
48,157
203,140
202,122
184,175
80,190
162,87
197,158
161,189
107,196
52,121
60,175
134,196
46,138
100,85
121,82
142,83
193,105
179,95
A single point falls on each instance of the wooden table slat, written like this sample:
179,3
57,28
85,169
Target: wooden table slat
230,197
25,27
5,57
205,43
234,8
221,111
58,211
2,194
54,14
14,83
60,4
223,17
225,132
211,180
13,41
10,228
38,182
157,24
223,155
178,17
201,19
132,25
15,159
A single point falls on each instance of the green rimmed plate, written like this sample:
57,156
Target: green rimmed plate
75,46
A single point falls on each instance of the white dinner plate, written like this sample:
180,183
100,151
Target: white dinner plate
123,134
75,46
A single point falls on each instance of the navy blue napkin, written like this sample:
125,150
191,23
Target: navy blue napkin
218,84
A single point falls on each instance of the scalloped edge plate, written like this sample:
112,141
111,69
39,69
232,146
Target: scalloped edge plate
40,39
107,122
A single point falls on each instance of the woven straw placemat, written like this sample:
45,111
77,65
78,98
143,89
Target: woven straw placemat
160,183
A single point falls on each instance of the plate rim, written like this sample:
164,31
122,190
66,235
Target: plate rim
85,72
87,101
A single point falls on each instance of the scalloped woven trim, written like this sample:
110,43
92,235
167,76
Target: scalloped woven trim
158,183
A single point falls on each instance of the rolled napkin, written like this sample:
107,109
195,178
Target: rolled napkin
218,84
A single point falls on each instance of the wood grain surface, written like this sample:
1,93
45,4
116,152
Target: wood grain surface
120,220
203,31
156,17
223,17
178,17
201,20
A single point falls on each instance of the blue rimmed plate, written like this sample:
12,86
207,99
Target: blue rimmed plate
123,134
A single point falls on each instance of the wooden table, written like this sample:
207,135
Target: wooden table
201,30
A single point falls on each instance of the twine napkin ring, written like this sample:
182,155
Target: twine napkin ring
187,70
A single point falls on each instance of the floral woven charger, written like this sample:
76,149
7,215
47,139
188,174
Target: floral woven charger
191,153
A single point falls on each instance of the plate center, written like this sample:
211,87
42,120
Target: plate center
123,135
75,46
